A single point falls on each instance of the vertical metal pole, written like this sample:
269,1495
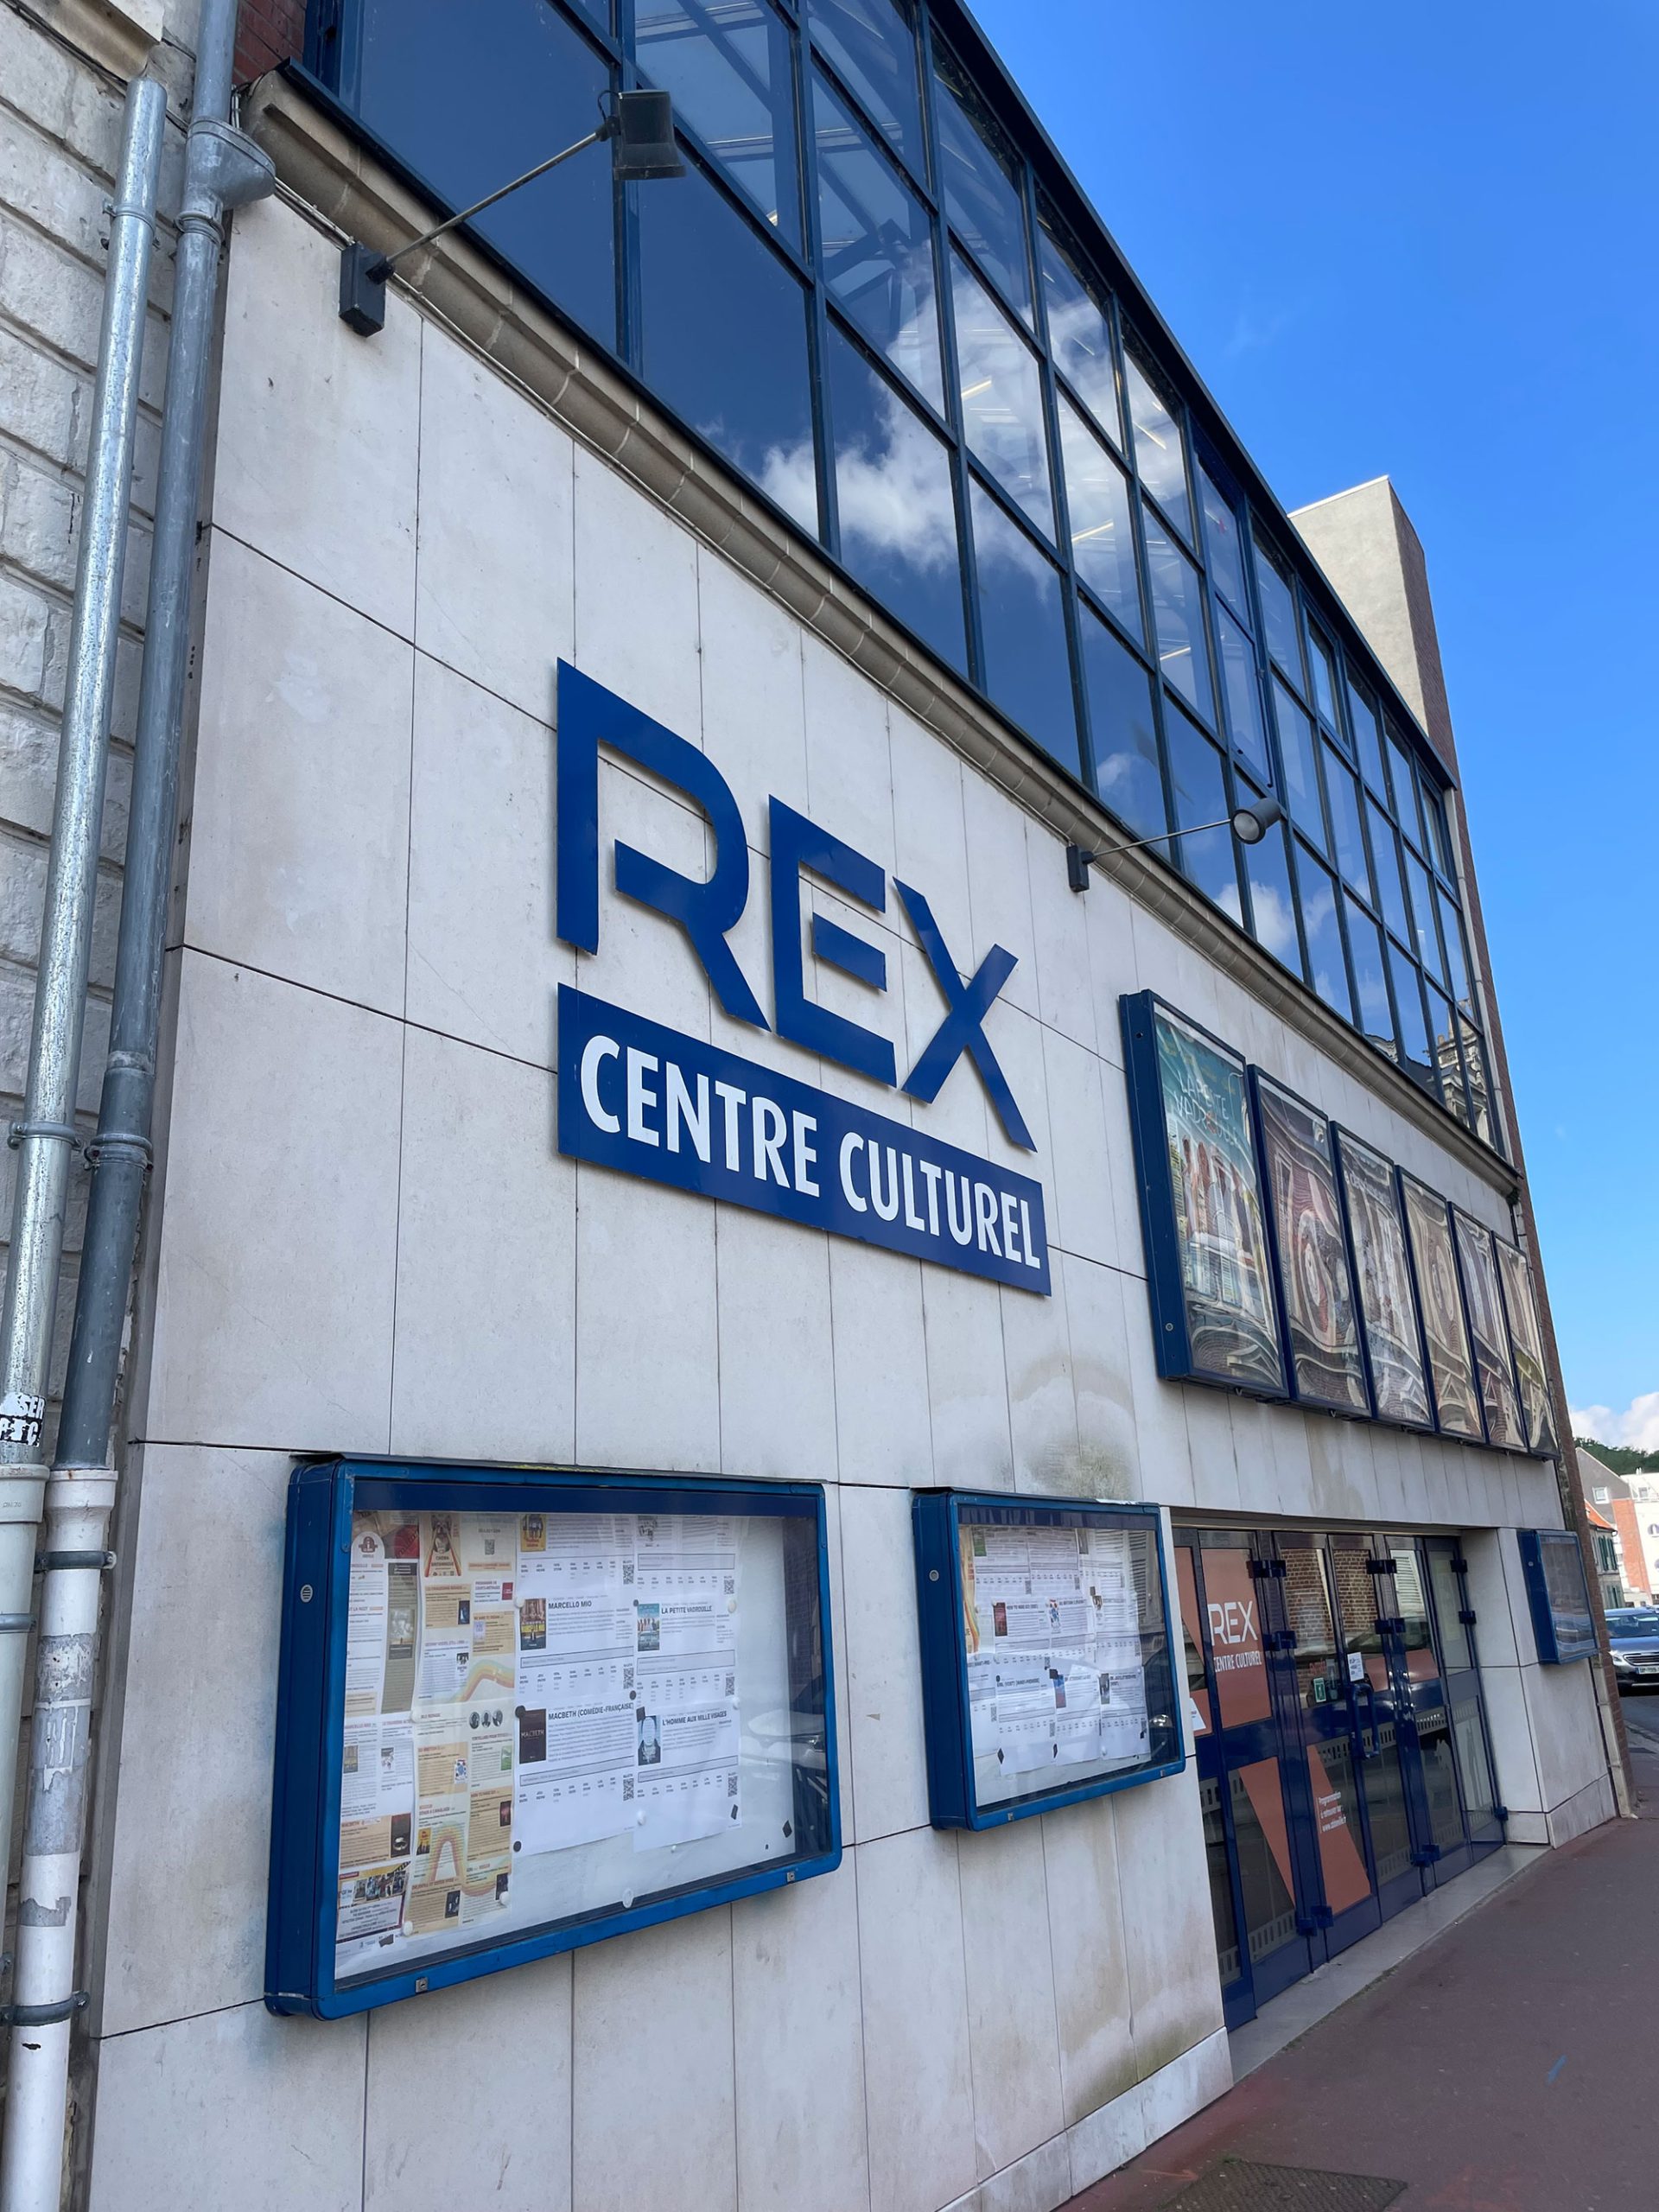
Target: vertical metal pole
45,1138
220,169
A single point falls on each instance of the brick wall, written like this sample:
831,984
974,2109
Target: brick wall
267,32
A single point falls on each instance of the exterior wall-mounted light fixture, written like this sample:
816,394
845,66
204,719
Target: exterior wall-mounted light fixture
1250,824
640,129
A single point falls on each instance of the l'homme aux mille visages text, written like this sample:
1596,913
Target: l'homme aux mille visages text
655,1103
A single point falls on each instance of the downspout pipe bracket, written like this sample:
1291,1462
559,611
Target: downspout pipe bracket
45,2016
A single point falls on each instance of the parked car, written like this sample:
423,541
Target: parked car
1633,1633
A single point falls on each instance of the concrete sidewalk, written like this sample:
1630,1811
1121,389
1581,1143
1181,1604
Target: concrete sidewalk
1510,2066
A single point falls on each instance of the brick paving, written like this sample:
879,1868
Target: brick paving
1510,2066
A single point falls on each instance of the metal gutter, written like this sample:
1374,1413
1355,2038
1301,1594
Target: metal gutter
46,1139
222,171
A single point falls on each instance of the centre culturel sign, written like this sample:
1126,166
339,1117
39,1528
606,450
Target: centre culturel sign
654,1103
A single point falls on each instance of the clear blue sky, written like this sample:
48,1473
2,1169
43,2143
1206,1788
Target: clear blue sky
1419,239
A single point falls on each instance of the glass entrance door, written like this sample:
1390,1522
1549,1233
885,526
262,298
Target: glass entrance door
1240,1749
1482,1815
1319,1716
1434,1691
1375,1706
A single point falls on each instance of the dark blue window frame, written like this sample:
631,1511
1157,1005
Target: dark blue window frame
1051,202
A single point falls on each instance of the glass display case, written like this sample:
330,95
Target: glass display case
1047,1672
520,1711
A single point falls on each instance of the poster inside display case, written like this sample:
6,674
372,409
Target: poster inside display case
520,1711
1514,1277
1214,1315
1315,1284
1557,1595
1387,1303
1046,1667
1434,1269
1488,1333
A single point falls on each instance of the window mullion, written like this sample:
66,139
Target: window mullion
824,428
1142,576
1057,484
966,558
630,297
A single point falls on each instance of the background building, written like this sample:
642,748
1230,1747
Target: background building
1610,1561
856,460
1626,1502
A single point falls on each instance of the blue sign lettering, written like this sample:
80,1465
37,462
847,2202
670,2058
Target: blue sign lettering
590,718
647,1101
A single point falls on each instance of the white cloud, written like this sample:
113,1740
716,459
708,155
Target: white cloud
1637,1426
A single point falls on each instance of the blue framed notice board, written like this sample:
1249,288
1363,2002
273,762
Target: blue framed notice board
519,1711
1563,1618
1046,1654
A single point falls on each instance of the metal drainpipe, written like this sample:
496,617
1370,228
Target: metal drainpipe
222,169
46,1138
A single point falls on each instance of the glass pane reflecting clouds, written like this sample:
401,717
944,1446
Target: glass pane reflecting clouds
1278,615
1199,790
878,247
1404,785
1362,716
1102,530
981,197
1343,792
872,44
1002,397
1325,678
896,500
1327,970
728,68
1427,937
1385,857
1242,691
1027,670
725,338
1272,916
1123,734
1302,773
1158,454
1222,546
1080,336
1456,954
1371,980
1439,836
1178,616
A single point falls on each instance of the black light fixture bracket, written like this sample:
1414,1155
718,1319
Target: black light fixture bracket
1250,824
640,127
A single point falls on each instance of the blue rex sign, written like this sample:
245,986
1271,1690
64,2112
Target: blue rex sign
654,1103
